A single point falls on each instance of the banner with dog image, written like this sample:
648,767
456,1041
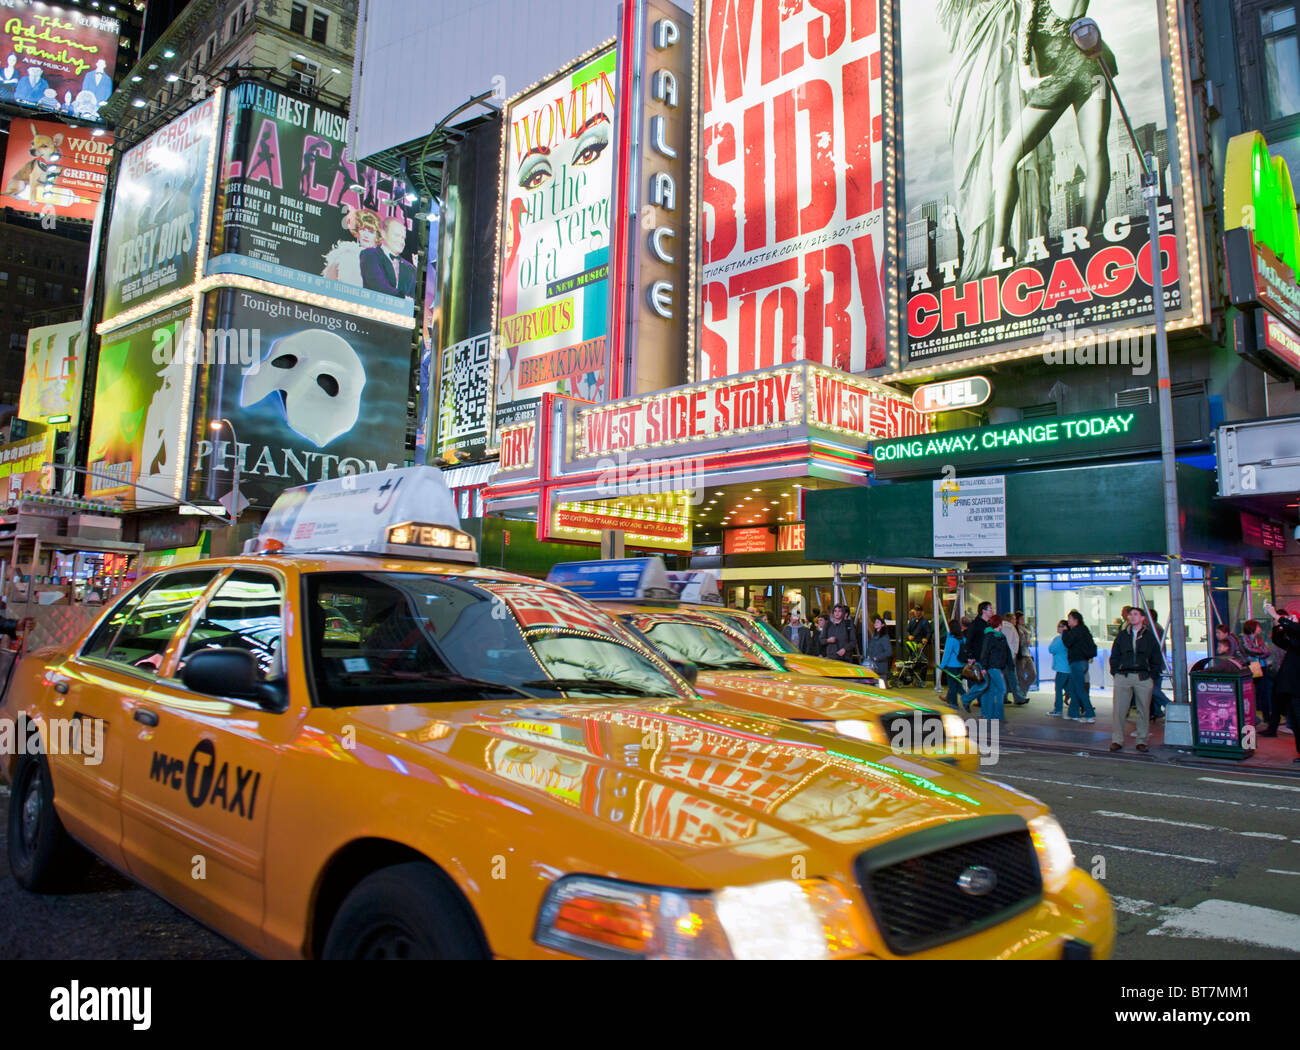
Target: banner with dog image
57,59
135,431
54,169
310,393
153,236
293,209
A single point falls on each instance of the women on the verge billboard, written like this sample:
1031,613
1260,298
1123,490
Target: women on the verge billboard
552,309
1020,191
792,189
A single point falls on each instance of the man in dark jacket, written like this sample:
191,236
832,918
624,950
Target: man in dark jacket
975,632
1080,650
1286,686
1136,663
798,635
839,638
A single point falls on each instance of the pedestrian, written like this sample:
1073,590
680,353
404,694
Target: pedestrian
1286,686
1158,698
995,658
1223,636
1061,668
819,635
880,649
1135,661
919,632
798,634
1081,650
1255,644
1012,636
975,631
951,663
839,640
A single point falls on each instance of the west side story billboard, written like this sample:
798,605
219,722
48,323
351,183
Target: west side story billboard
1022,212
791,185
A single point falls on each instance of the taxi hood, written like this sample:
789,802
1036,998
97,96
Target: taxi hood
690,776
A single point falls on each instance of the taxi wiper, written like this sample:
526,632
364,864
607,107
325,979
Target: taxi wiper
731,665
591,685
443,679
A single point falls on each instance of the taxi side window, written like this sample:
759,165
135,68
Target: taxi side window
244,613
100,642
149,626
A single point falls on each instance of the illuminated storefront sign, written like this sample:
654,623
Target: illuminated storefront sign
791,396
1279,341
653,530
790,537
759,540
1093,435
955,393
998,258
517,446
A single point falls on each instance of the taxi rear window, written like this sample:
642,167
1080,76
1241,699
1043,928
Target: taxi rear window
390,637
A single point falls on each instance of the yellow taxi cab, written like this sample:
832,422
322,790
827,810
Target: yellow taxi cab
474,764
731,668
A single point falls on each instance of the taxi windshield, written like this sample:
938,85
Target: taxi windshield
709,647
394,637
764,634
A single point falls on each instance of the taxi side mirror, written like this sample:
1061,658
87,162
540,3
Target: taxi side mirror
686,669
230,672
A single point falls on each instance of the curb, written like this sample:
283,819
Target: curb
1161,753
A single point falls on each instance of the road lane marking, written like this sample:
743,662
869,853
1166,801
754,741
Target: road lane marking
1148,852
1278,871
1217,920
1251,784
1188,824
1153,794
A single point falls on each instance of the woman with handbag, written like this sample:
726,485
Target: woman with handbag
880,649
996,659
1255,643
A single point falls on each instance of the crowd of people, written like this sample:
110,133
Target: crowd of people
837,636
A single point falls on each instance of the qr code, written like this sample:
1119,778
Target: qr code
463,388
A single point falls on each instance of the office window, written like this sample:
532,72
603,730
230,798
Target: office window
234,28
1281,60
26,285
298,19
320,27
308,73
53,291
4,278
212,47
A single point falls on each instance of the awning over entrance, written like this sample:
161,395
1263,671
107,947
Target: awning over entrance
1084,514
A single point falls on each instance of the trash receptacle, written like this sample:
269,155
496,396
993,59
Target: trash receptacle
1223,709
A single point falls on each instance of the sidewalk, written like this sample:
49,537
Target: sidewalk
1031,727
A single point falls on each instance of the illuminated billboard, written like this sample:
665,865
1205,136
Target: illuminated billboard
135,431
155,233
1020,193
53,373
791,190
54,169
293,210
551,307
311,393
56,59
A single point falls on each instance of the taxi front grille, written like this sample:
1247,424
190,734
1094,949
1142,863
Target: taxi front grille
943,884
910,730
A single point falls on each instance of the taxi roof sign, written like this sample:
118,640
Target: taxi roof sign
408,512
614,580
697,585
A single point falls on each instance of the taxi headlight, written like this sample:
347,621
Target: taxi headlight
954,728
606,919
1055,857
857,729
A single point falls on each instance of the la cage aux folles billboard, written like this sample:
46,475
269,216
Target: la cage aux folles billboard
290,211
1020,191
156,226
57,59
310,391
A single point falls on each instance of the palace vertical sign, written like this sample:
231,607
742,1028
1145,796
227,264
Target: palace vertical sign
653,299
791,185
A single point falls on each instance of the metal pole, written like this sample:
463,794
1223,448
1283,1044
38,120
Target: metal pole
934,628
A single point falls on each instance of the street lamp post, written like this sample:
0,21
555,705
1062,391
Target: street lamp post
1087,38
215,426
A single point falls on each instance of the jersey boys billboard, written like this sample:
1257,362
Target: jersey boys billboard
153,237
552,310
791,185
1024,214
288,211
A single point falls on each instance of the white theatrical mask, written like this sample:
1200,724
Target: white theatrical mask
319,376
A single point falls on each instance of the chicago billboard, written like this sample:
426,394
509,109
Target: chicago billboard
294,210
551,321
311,393
54,169
135,431
791,186
155,230
56,59
1020,191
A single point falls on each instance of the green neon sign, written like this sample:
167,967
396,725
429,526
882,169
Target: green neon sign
1258,195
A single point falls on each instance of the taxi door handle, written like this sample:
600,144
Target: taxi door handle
145,716
61,687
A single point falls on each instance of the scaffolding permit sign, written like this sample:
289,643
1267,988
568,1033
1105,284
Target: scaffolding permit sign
970,517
